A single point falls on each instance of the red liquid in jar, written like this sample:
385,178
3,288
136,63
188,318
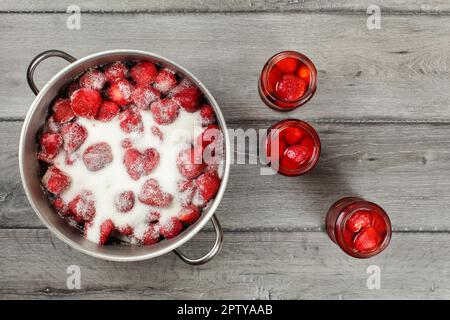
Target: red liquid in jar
361,228
292,147
288,80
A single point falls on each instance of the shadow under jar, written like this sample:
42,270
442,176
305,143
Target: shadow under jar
362,229
292,147
288,80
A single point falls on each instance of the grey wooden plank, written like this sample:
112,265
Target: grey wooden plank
399,72
416,6
404,168
255,265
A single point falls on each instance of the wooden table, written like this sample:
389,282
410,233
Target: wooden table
381,109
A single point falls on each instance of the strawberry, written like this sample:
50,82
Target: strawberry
309,144
115,71
157,132
151,235
126,143
358,221
154,216
125,230
274,142
50,145
124,201
152,195
183,84
190,163
290,87
187,189
172,228
303,73
74,86
55,181
83,206
97,156
207,185
106,228
273,76
207,115
85,102
164,111
108,110
120,92
188,98
142,96
73,135
93,79
189,214
210,134
287,65
131,121
61,206
144,73
292,135
62,111
140,164
366,240
379,224
52,126
165,81
294,157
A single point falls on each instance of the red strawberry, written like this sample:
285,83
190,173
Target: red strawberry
106,228
115,71
290,87
187,189
50,145
142,96
120,92
97,156
140,164
190,163
171,228
124,202
62,111
292,135
131,121
294,157
188,98
210,134
165,81
144,72
154,216
367,240
309,144
86,102
61,206
125,230
74,86
274,142
164,111
189,214
207,185
379,224
55,181
151,235
108,110
93,79
83,207
157,132
207,115
74,136
359,220
287,65
303,72
273,77
152,195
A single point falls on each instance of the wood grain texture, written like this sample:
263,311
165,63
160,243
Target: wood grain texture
259,265
399,73
390,6
404,168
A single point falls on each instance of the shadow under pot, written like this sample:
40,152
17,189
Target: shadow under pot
292,147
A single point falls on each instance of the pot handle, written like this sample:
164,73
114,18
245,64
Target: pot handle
41,57
212,253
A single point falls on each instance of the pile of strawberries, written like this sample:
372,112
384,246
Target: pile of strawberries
122,90
295,148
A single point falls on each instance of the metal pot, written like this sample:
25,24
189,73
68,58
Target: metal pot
29,166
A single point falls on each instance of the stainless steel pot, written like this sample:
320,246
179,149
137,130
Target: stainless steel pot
29,165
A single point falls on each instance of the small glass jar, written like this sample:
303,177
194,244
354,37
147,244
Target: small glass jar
362,229
292,147
288,80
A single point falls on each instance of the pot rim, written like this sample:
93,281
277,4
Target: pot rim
188,233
